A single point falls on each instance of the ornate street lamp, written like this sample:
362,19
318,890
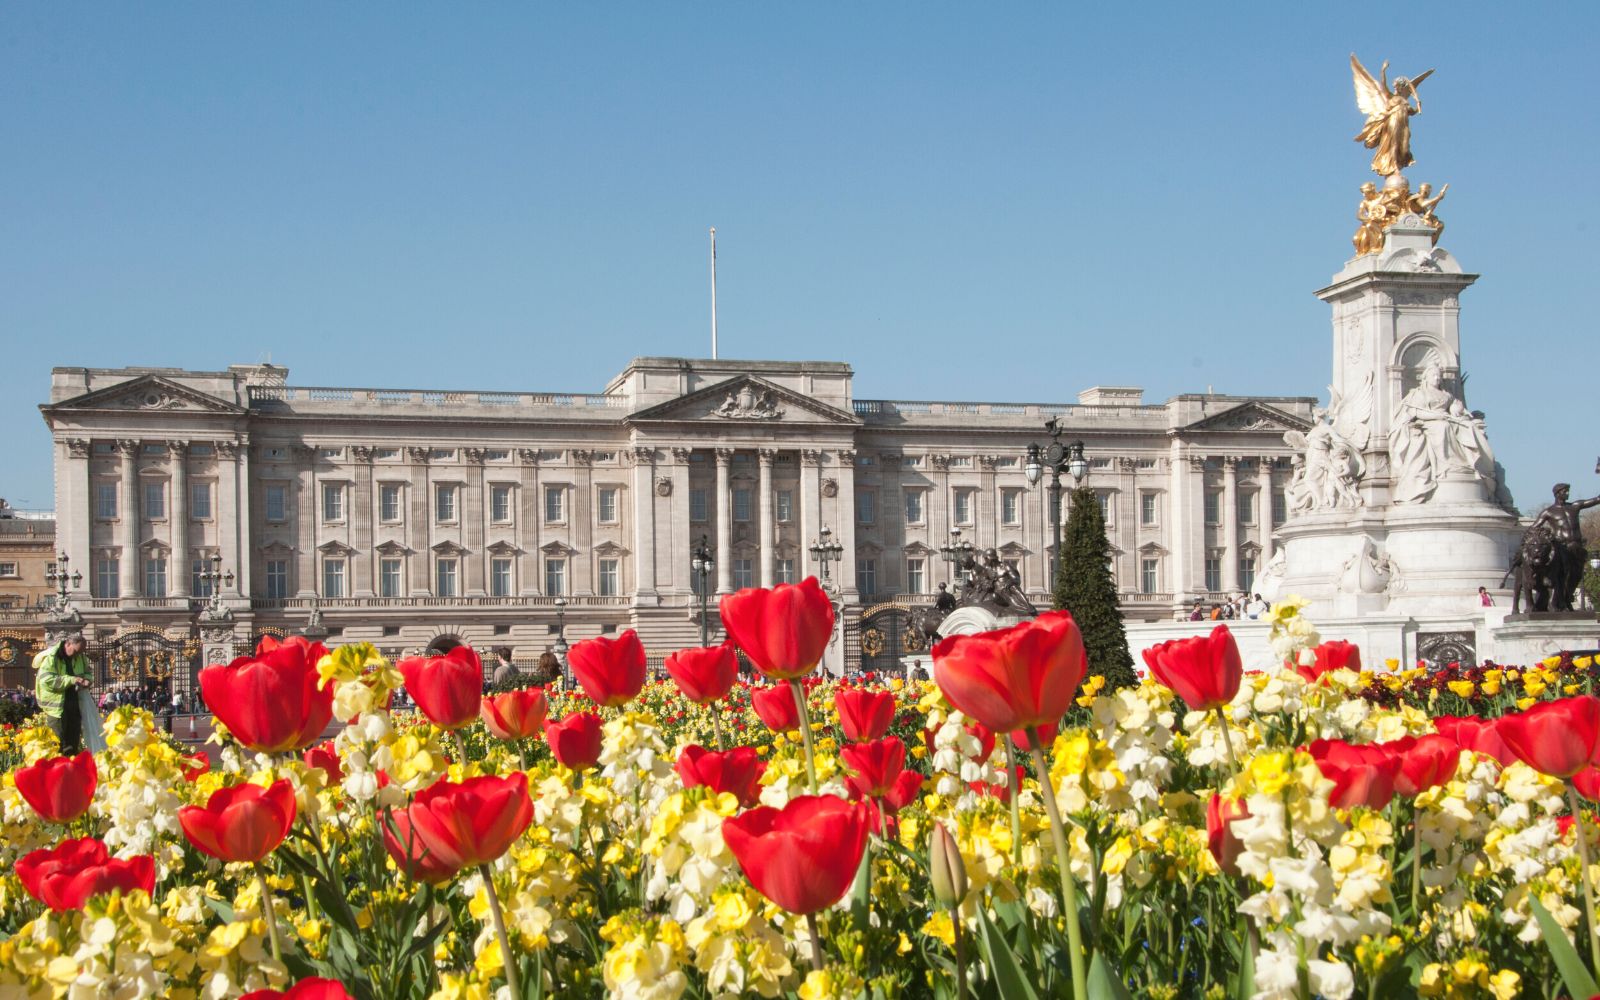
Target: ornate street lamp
57,575
703,566
955,553
560,646
1056,458
825,551
215,580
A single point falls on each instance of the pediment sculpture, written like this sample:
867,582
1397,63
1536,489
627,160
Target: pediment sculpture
747,404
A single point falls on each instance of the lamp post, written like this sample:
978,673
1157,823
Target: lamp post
1056,458
57,575
955,552
825,551
212,578
703,565
559,647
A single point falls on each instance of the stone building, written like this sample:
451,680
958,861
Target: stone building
405,515
27,559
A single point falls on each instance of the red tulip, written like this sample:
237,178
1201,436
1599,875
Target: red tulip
1204,670
737,771
575,740
1335,654
325,756
804,856
1021,676
1558,738
904,791
1362,775
863,714
270,702
194,765
1587,782
874,767
446,688
475,820
784,630
59,788
1225,847
241,823
515,715
1045,735
1425,762
775,706
314,988
411,853
1478,735
610,670
704,674
68,875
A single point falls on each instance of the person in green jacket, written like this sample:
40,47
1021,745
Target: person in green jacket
61,670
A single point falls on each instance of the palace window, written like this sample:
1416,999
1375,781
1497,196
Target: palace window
105,501
1213,573
1149,570
390,570
155,501
446,573
866,507
786,571
744,574
914,506
277,504
500,504
155,576
1247,507
1280,507
555,577
555,504
199,582
333,578
9,570
277,578
697,506
444,503
1011,507
916,576
1247,573
200,501
785,505
1213,507
332,502
1104,499
867,576
107,578
1147,509
500,577
389,503
608,578
741,505
963,511
608,505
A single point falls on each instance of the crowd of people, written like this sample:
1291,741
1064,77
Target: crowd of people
1240,607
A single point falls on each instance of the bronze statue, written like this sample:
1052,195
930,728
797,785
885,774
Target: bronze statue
1388,127
994,586
1550,560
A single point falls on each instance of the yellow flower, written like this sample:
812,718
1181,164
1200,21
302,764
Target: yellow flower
1461,688
939,926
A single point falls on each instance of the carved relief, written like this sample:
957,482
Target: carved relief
747,404
581,456
940,462
361,452
78,447
472,456
830,487
663,486
418,455
528,456
1127,464
987,462
152,397
643,456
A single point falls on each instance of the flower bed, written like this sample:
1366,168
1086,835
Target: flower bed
1284,832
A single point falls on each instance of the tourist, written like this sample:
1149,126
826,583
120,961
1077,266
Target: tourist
504,669
1485,599
1258,607
548,670
1198,613
62,672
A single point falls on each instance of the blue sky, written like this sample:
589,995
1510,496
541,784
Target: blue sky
964,201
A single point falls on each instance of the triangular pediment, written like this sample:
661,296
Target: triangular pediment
746,399
1251,416
335,548
393,548
447,548
609,548
504,548
151,393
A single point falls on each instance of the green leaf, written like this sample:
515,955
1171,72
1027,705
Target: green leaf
1009,981
1577,978
1245,986
1104,984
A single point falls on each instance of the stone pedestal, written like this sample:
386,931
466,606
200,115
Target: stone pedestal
1529,638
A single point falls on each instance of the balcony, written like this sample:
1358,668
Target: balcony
412,603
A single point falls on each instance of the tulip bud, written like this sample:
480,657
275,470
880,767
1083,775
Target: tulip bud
945,867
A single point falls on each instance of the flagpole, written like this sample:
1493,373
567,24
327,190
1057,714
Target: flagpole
713,293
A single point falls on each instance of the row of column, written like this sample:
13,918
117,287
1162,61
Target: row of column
766,520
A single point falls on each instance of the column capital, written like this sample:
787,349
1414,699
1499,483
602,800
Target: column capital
724,457
129,447
1231,462
681,456
418,455
1196,462
940,462
303,452
361,453
227,449
811,457
77,447
528,456
472,456
988,462
767,456
891,459
178,448
580,456
643,456
847,456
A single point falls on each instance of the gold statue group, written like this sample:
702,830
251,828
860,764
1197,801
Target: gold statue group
1387,133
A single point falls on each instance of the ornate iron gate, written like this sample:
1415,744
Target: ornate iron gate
881,639
146,666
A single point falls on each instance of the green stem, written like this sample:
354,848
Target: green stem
1416,863
1069,890
716,725
1227,741
461,746
268,912
1016,814
1583,875
522,754
816,942
805,732
961,953
507,958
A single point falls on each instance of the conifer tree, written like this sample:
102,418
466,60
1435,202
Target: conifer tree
1084,587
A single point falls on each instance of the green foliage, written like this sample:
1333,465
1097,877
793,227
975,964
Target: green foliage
1085,588
1590,585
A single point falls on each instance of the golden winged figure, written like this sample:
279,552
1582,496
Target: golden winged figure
1388,111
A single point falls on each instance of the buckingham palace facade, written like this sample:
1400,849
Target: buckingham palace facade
400,516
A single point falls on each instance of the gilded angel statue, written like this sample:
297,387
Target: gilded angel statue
1388,111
